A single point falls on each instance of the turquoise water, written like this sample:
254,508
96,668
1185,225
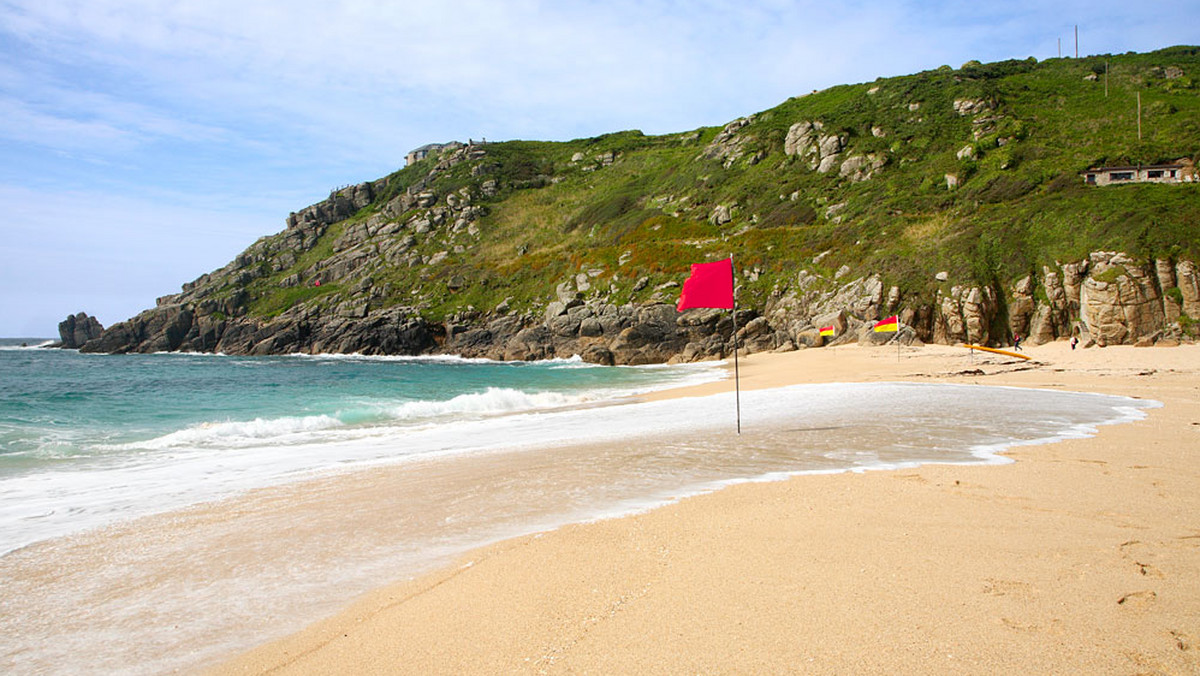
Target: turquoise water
58,405
171,424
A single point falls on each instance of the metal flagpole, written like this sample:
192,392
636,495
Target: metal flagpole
737,386
898,325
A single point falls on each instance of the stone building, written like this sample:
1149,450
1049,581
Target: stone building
1179,172
425,150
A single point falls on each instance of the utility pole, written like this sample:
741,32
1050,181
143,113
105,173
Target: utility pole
1060,48
1077,41
1139,100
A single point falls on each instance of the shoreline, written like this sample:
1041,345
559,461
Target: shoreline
1077,557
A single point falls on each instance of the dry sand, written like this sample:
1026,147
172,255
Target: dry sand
1081,557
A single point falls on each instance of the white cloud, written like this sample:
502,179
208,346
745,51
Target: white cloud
529,68
181,105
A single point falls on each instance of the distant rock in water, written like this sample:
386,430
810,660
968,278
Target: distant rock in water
78,329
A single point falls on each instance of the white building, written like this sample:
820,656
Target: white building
1180,172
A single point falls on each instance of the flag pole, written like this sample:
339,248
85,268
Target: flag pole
899,325
737,386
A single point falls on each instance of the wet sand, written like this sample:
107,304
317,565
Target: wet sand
1081,557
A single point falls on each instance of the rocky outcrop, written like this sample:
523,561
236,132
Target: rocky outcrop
597,331
1119,302
78,329
965,315
179,328
729,145
1187,279
862,167
967,107
340,205
807,141
1108,298
826,152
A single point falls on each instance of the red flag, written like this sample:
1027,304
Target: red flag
710,285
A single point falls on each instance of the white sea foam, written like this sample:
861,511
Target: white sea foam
395,358
275,431
492,401
921,423
32,344
363,422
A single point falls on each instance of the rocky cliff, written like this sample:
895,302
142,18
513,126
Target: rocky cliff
952,198
1106,299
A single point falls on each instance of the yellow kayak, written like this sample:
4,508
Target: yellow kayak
1006,353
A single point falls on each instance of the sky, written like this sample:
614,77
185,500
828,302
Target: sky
144,143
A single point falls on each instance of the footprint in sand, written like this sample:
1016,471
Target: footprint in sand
1148,570
1139,599
995,587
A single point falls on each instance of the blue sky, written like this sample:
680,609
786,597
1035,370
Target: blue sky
146,142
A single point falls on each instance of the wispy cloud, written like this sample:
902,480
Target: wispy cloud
262,107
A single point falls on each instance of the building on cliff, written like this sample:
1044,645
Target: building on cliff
425,150
1178,172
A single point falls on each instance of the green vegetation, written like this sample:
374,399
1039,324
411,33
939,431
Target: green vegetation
625,206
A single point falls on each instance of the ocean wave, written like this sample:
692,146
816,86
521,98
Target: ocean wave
364,418
19,344
494,400
233,434
396,358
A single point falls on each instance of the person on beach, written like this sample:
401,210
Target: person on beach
1074,341
1017,342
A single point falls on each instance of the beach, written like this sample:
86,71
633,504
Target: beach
1082,556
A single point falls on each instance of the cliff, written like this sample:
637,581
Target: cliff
952,197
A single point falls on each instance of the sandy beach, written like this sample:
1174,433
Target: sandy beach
1083,556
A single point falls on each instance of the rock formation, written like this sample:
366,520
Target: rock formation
1106,299
78,329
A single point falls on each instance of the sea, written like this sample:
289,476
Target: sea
159,512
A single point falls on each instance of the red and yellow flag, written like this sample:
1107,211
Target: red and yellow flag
826,330
891,324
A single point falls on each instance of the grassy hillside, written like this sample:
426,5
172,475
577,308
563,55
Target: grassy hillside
625,206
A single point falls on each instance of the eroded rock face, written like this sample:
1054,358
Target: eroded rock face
795,318
1021,306
1052,319
1109,298
1119,301
1187,278
965,315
